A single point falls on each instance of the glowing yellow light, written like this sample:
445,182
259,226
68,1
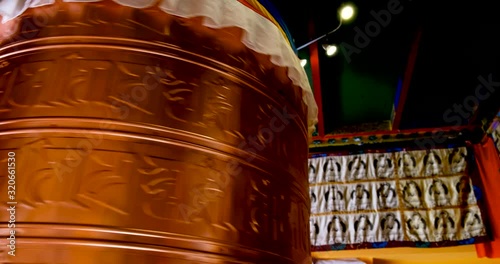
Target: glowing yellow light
331,50
347,12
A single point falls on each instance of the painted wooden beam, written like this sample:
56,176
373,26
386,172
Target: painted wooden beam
410,66
404,131
421,135
316,79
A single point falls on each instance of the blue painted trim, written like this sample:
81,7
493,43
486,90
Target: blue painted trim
397,96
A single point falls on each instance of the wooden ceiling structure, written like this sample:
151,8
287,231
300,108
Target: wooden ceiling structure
403,70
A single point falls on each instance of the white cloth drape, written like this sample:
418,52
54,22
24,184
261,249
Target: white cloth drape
261,35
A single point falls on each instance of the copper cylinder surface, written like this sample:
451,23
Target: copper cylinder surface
141,137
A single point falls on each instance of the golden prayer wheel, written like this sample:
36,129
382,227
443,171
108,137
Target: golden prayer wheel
134,136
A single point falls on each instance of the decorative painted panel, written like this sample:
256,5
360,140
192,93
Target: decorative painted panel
391,199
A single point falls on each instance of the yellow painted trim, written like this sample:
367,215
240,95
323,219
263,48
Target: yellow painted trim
455,255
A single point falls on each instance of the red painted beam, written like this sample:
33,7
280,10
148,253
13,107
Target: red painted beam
384,132
316,80
410,66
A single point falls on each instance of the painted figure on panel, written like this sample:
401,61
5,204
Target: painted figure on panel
360,198
384,167
417,227
357,169
334,198
412,195
312,173
444,226
337,230
432,164
464,190
390,227
471,224
314,231
439,193
407,165
386,195
456,160
364,230
332,171
314,202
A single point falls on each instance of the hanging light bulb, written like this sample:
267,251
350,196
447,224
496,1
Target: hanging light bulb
347,12
303,62
330,50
